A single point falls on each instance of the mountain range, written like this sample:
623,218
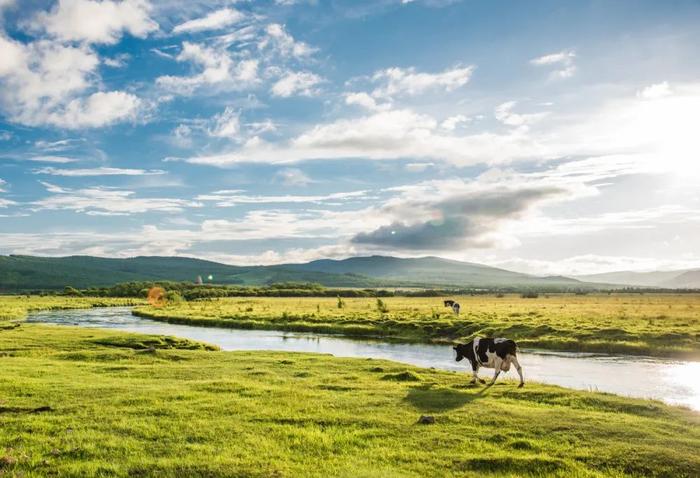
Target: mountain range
20,273
678,279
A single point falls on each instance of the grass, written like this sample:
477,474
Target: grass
88,402
649,324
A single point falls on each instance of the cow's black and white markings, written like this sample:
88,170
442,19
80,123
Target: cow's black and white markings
455,308
449,303
497,353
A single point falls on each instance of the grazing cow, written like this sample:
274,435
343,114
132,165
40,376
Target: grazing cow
490,353
449,303
455,308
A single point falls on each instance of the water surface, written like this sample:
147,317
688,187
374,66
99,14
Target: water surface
672,381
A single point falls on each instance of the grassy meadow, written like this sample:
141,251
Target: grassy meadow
649,324
88,402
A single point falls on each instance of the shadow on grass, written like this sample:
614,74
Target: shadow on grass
428,398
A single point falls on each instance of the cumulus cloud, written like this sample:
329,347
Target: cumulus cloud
505,114
277,38
453,122
408,81
93,21
655,91
649,136
302,83
226,124
563,61
365,100
217,68
212,21
428,219
45,83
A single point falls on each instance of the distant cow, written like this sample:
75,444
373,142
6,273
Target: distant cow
455,308
449,303
490,353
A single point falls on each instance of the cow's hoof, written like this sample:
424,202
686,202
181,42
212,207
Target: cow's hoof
521,385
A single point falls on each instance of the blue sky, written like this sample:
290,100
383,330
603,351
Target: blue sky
546,137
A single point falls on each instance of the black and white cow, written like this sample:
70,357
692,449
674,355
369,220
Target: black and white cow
449,303
497,353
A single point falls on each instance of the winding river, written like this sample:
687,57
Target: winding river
672,381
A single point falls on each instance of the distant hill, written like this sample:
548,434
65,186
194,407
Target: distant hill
431,270
677,279
31,272
685,280
18,273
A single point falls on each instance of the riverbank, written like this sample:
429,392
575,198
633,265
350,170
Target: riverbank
661,325
83,402
17,307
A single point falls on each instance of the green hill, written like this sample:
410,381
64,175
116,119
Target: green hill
432,270
21,273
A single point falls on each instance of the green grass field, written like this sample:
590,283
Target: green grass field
87,402
650,324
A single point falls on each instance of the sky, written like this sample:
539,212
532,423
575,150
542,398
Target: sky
548,137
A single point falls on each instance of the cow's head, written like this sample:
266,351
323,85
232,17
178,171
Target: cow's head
459,355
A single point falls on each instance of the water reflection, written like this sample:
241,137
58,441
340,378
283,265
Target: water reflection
675,382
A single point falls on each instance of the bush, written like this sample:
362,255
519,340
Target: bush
173,297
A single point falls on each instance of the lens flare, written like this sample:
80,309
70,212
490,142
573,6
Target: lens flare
156,296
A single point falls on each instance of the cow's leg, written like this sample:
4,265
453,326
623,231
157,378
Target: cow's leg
514,361
475,372
497,364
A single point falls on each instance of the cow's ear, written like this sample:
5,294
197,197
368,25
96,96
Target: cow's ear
455,347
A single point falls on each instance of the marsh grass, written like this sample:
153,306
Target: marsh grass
88,402
648,324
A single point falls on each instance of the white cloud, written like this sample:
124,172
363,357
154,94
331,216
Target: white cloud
52,159
2,183
364,100
217,69
226,124
400,81
655,91
234,198
277,38
453,122
504,113
98,109
562,60
117,61
60,145
648,136
96,21
101,171
213,21
44,84
292,177
99,201
418,167
296,83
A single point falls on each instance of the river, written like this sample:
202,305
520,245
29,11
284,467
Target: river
673,381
